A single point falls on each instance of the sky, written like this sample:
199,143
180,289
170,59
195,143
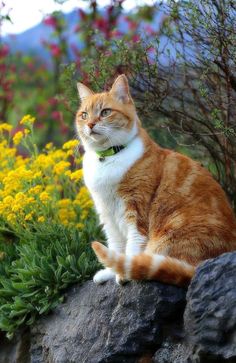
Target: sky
27,13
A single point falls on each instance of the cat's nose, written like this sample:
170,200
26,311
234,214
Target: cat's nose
91,124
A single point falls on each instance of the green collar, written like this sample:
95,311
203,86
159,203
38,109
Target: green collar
109,152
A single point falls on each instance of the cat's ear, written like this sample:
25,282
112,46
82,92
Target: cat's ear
120,89
84,91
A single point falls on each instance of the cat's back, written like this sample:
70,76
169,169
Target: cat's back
189,188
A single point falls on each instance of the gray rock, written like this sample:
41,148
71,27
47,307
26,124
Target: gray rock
138,323
16,350
108,324
172,351
210,316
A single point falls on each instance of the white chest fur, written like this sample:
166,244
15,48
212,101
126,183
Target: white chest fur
103,177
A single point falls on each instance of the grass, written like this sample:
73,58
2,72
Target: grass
35,271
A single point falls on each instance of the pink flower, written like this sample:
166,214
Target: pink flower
39,125
151,55
64,129
4,51
77,28
52,101
55,50
116,33
101,24
131,24
135,38
149,30
50,21
56,115
151,50
82,14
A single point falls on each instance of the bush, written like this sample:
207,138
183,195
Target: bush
46,222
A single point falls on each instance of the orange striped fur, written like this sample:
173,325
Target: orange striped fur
146,266
179,214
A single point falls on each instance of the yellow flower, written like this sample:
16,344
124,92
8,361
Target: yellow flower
35,190
69,145
80,225
20,196
5,127
27,119
18,137
77,175
44,196
41,219
32,188
63,203
68,173
69,153
29,216
16,207
60,167
50,188
11,218
8,200
49,146
84,214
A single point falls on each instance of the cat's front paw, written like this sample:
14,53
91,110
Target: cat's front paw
120,281
103,275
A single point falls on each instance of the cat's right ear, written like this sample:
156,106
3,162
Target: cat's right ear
84,91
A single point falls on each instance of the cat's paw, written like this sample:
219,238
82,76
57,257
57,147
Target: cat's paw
103,275
120,281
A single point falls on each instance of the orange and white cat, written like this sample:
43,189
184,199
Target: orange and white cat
163,213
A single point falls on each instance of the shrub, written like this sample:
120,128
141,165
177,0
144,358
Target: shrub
46,222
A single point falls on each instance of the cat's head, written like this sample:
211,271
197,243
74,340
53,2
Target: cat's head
106,119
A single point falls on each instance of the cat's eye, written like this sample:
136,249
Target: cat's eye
105,112
84,115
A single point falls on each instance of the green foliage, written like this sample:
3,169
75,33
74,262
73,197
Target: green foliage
35,271
68,77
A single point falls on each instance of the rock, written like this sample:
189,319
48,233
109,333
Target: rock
108,324
210,316
138,323
172,351
16,350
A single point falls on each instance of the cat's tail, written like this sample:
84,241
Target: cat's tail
146,266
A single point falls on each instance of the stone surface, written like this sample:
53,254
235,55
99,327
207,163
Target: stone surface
138,323
210,316
108,324
172,351
16,350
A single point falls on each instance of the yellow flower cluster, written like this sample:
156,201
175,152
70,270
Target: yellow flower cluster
18,137
42,187
27,120
5,127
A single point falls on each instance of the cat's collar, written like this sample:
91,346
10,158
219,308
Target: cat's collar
109,152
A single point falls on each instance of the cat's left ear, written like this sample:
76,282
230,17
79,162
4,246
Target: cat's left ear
120,89
84,91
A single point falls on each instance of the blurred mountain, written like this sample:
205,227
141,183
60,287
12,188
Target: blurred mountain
30,42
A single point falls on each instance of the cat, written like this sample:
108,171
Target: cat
163,213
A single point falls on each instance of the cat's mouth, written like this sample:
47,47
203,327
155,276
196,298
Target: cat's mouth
95,135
